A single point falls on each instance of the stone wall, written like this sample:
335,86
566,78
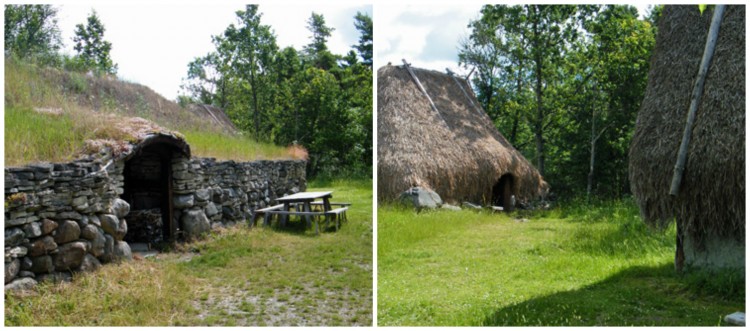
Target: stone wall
63,218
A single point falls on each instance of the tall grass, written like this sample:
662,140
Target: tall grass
595,264
92,108
227,147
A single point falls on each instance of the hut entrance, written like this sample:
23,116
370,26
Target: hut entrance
148,190
502,192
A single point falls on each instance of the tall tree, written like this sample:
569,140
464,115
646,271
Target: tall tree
93,50
363,23
250,48
538,35
206,81
317,50
31,30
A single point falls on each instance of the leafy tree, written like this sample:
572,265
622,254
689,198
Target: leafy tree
317,50
363,23
250,49
206,82
564,83
93,50
310,97
31,30
538,37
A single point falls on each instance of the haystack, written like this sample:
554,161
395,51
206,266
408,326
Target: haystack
452,148
710,205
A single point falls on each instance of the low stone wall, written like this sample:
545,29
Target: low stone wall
63,218
209,193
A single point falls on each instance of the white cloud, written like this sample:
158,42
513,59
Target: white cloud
153,43
427,36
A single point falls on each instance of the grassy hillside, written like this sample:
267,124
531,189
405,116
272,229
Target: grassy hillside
588,265
76,107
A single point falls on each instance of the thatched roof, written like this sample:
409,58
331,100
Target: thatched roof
459,153
712,195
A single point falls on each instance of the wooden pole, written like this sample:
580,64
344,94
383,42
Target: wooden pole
450,73
708,52
421,88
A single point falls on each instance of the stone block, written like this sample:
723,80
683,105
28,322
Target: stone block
195,222
11,270
108,250
70,256
68,215
67,231
202,195
14,236
20,284
119,208
41,264
48,226
122,251
42,246
183,201
90,263
17,252
33,229
110,224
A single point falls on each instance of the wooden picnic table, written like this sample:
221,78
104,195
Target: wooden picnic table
307,200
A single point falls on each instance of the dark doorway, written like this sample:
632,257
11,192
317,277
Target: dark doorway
503,191
148,190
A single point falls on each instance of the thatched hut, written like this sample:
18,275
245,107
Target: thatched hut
710,205
452,148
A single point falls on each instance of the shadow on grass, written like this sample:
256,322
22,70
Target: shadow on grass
298,226
636,296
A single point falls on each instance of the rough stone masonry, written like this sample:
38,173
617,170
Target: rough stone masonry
64,218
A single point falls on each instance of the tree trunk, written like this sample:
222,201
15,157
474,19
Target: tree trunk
517,115
256,112
590,179
539,125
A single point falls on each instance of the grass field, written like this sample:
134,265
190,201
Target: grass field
582,266
239,276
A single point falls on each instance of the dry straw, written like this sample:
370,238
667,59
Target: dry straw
460,156
711,199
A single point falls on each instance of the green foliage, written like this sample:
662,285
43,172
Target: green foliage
577,264
309,97
363,23
31,31
93,50
564,84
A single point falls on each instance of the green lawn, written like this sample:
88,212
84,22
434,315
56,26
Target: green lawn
238,276
585,266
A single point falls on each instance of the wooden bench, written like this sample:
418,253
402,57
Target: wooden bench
318,205
266,212
337,214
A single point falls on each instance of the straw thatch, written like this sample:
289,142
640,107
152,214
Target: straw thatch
459,153
711,200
